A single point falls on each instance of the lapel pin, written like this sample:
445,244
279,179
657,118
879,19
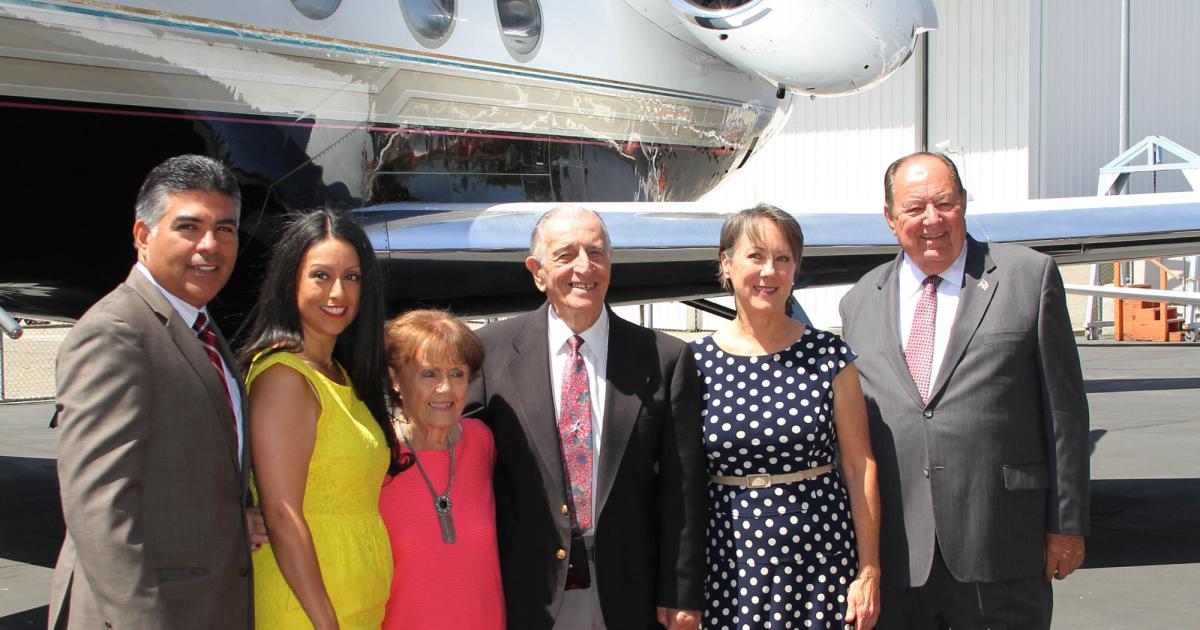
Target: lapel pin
983,284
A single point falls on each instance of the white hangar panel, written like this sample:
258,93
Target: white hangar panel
979,96
1164,90
1080,84
1080,51
831,149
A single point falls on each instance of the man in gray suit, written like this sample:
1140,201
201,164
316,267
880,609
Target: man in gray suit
152,457
978,417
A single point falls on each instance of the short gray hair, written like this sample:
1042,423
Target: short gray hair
535,238
180,174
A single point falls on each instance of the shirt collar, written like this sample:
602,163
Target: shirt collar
595,337
185,310
911,276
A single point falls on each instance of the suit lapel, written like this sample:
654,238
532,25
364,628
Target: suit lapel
890,285
184,337
530,371
626,378
979,285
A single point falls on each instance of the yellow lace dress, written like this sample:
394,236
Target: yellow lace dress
341,506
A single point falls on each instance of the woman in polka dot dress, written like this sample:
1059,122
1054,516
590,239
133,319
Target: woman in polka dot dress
789,544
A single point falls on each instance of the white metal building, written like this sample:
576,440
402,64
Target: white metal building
1022,94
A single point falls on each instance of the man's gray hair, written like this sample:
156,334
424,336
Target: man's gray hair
180,174
536,244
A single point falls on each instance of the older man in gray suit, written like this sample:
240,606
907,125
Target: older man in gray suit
151,417
978,417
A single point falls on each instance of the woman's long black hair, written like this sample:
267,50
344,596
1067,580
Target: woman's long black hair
274,323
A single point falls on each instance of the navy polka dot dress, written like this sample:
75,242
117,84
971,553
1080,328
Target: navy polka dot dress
779,557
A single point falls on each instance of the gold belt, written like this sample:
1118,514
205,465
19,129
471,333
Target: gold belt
763,480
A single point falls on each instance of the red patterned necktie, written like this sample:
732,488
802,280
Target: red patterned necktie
208,339
575,431
919,351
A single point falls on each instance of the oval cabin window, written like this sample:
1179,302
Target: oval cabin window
316,9
430,21
520,26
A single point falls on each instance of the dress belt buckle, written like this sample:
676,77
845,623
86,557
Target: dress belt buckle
761,480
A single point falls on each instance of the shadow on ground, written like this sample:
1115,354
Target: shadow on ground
1142,522
1108,385
31,523
1094,438
32,618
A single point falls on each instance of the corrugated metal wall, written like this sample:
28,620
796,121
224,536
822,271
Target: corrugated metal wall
1164,80
979,97
1080,74
1080,48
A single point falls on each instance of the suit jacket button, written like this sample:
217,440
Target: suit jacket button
565,510
925,471
928,414
561,554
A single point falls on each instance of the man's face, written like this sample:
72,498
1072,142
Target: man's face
927,214
574,270
191,251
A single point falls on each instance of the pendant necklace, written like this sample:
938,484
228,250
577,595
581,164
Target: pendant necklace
441,502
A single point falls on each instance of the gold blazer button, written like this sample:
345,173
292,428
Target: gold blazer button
561,554
565,509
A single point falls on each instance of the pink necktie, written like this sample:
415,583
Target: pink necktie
208,339
575,431
919,351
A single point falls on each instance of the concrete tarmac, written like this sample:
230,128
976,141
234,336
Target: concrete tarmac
1143,557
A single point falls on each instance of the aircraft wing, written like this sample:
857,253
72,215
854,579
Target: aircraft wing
470,257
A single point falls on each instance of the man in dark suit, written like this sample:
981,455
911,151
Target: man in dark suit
152,457
979,421
600,476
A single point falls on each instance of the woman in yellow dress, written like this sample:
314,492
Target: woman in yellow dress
319,431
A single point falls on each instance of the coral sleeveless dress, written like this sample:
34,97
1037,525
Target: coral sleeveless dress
341,505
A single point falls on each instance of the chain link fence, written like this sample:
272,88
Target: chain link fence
27,364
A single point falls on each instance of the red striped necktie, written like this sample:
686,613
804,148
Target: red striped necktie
208,339
919,351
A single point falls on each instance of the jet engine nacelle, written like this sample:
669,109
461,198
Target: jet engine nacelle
821,47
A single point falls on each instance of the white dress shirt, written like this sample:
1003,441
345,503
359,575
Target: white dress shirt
595,356
948,292
189,314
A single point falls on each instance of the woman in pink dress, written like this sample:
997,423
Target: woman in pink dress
439,510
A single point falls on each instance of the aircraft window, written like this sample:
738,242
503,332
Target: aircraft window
430,21
520,26
718,5
316,9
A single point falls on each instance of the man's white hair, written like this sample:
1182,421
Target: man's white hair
537,244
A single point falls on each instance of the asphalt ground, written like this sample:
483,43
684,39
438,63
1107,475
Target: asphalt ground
1143,556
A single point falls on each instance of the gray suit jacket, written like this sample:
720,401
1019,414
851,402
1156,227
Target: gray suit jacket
999,456
148,465
649,500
